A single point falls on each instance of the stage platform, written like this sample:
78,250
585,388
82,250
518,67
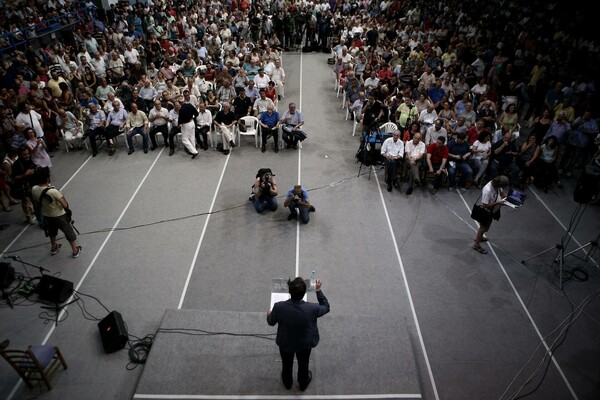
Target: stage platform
233,355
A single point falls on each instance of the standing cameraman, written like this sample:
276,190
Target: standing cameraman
56,212
265,192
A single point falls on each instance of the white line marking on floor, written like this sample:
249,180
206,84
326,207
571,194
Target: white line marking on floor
212,205
89,268
410,300
276,397
537,331
299,176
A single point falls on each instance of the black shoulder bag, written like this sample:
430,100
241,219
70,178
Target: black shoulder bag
481,214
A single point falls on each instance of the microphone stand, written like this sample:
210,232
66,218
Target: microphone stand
19,259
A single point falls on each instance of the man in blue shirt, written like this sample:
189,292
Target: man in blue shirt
269,121
436,93
459,152
297,199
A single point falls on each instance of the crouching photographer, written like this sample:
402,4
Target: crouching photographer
298,203
264,191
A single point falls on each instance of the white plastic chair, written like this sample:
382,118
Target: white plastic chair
252,129
68,141
355,124
388,127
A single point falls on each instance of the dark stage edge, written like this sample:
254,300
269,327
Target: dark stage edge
204,365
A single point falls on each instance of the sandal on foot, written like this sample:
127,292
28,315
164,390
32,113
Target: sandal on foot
55,249
480,249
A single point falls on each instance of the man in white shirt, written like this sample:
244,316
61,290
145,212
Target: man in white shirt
203,123
427,118
278,76
159,118
136,123
435,131
148,93
131,55
115,124
262,103
261,80
415,151
392,151
99,65
31,119
175,128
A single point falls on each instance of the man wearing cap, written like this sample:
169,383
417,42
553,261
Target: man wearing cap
491,200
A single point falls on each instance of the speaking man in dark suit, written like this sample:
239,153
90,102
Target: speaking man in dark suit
297,332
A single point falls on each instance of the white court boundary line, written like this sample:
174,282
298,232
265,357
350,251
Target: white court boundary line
537,331
275,397
299,177
410,300
201,239
89,268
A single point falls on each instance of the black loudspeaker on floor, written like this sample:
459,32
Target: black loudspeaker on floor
113,332
7,275
54,290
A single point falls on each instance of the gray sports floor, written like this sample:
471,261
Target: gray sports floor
415,313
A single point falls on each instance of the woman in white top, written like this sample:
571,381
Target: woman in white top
480,157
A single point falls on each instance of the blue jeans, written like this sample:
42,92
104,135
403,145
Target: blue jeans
261,204
304,217
466,173
138,130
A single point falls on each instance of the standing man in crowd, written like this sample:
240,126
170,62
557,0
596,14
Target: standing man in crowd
297,331
187,115
55,209
491,199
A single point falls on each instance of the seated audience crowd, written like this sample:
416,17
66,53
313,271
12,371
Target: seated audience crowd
462,85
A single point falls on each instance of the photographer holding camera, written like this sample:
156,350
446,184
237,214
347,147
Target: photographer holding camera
297,198
264,192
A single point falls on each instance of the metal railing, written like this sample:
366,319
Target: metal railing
12,40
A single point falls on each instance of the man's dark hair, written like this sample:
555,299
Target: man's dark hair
297,288
441,139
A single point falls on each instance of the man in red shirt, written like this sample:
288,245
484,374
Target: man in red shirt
437,156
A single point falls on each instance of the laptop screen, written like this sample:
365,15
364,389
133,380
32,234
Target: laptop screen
516,197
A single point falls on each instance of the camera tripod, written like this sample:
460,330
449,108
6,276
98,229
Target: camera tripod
561,246
368,148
